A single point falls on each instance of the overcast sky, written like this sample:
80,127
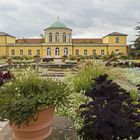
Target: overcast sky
87,18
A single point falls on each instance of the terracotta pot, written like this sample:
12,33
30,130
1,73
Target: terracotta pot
36,130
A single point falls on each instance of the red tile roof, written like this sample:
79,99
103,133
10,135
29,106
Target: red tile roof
87,41
75,41
30,41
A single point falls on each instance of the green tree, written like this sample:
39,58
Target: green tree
137,41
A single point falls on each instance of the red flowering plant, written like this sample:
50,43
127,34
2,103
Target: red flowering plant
4,76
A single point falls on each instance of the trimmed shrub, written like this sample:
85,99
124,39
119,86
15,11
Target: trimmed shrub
47,60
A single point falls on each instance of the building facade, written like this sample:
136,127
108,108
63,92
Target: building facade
57,42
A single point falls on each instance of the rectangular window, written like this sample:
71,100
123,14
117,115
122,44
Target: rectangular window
65,51
77,52
50,37
57,37
38,52
85,52
69,38
102,52
117,39
29,52
57,51
48,52
64,37
12,52
21,52
94,52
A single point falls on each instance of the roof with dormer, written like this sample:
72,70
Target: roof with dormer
5,34
116,34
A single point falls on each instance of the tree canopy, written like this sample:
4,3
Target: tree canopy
137,41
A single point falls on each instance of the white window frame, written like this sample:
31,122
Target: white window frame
69,37
102,52
117,39
65,51
21,52
57,37
94,52
77,52
57,51
13,52
64,37
50,37
85,52
48,51
38,52
29,52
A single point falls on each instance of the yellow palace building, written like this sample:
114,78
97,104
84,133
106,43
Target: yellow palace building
57,41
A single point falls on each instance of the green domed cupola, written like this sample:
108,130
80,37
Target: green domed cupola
58,32
58,25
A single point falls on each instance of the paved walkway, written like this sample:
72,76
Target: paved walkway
2,125
4,131
62,128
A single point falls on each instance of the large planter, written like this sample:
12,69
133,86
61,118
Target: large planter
35,130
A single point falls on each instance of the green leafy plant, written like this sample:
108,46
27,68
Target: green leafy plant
83,80
71,57
22,98
71,109
78,85
3,57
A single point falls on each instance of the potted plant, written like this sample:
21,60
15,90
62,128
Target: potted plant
28,103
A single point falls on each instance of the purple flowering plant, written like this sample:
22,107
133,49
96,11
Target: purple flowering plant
111,113
4,76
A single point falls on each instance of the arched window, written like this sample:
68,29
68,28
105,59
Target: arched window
57,51
69,37
50,37
57,37
48,51
64,37
65,51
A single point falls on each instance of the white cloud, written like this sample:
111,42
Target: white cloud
87,18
